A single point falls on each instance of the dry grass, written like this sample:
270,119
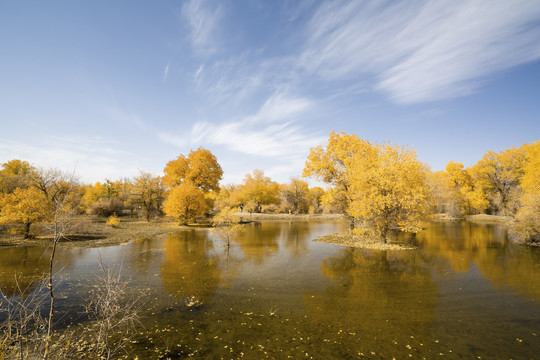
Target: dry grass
364,243
245,216
94,232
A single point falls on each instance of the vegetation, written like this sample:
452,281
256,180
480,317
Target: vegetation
377,187
227,225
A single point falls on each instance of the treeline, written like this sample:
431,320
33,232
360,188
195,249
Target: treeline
378,187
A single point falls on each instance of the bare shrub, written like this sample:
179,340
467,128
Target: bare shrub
106,207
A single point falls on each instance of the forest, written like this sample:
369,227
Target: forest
378,188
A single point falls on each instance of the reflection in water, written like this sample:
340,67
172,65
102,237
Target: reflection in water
277,294
189,268
377,294
487,248
22,268
259,241
295,238
194,267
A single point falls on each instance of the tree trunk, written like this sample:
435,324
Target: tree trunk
26,230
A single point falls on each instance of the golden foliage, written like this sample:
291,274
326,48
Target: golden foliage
332,165
388,190
113,221
382,185
527,224
185,203
500,174
200,167
259,189
24,206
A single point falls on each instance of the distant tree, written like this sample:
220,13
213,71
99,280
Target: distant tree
185,202
314,199
148,193
295,195
25,207
200,168
15,174
468,193
500,175
259,189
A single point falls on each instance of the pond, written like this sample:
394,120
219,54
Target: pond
466,292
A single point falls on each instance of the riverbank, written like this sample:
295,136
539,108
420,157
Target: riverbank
94,232
245,216
363,243
479,218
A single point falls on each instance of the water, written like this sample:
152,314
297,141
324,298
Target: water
466,292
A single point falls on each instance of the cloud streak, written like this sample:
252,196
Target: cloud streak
270,132
203,20
421,51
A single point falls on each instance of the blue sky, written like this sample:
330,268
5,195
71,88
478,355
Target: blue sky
109,88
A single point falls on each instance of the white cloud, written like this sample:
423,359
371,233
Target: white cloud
91,159
421,51
203,19
270,132
166,72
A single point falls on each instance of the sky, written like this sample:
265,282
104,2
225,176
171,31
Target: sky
111,88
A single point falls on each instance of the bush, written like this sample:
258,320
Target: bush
106,207
113,221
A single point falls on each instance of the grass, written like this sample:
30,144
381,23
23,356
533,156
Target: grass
359,242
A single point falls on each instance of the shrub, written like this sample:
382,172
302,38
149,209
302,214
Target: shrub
113,221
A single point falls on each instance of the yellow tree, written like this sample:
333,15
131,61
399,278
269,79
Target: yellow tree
500,174
185,202
200,167
389,190
15,174
258,190
332,166
470,196
295,195
314,199
527,218
24,206
148,193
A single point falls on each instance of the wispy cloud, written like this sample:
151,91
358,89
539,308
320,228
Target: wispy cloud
421,51
203,18
92,159
270,132
166,72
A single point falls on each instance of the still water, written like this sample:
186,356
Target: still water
465,293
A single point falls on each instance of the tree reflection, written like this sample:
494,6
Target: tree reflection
485,246
259,242
295,238
193,267
372,292
22,268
